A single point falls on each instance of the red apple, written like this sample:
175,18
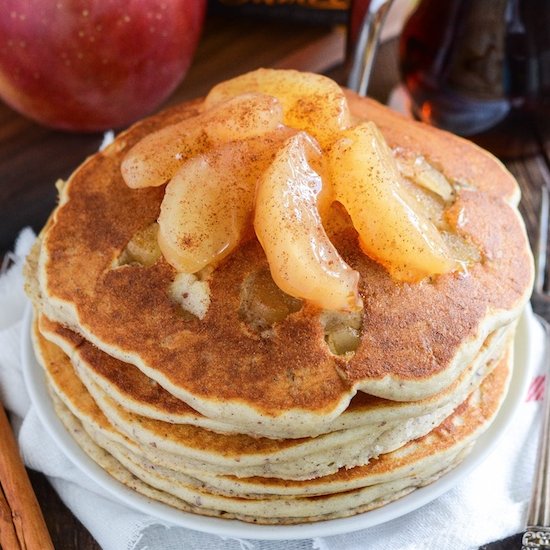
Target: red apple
94,64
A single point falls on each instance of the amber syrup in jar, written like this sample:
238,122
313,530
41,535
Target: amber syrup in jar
481,69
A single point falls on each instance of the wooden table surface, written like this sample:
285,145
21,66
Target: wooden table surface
33,157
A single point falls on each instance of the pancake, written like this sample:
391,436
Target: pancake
244,456
416,338
132,390
192,449
344,493
197,449
125,477
108,463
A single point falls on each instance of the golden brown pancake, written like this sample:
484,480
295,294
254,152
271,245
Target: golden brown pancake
132,390
192,448
416,339
123,475
268,500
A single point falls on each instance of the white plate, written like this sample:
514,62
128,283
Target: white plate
36,385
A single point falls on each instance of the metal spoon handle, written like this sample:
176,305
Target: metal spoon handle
367,44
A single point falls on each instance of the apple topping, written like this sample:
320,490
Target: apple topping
273,152
208,205
263,303
303,261
392,229
418,169
429,205
433,196
158,156
430,178
342,331
142,249
311,102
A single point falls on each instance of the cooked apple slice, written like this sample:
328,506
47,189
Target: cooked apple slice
263,303
366,181
342,330
311,102
207,206
302,260
157,157
143,247
419,170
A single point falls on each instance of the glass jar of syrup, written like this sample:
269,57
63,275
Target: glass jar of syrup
481,69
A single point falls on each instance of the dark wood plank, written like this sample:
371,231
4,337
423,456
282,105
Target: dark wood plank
66,531
531,173
509,543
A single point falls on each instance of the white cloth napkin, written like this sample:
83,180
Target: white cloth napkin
488,504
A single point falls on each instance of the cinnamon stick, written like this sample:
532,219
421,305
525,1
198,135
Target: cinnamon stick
26,517
8,536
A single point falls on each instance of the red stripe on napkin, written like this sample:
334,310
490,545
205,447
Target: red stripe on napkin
536,389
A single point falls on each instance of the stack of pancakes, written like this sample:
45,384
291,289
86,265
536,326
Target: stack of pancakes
218,418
